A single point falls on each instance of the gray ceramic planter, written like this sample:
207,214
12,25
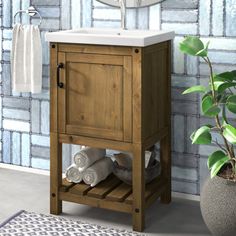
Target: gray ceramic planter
218,206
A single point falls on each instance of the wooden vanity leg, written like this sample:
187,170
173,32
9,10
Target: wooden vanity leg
165,143
55,174
165,146
138,189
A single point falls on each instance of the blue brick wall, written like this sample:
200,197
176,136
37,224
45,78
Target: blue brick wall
24,118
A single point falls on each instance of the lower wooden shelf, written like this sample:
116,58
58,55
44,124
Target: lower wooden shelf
110,194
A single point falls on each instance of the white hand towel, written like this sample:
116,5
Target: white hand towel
86,157
26,59
73,174
98,171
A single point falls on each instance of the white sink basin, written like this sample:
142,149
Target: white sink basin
116,37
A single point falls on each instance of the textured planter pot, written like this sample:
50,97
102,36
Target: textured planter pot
218,206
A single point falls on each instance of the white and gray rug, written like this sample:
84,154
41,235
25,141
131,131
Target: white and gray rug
32,224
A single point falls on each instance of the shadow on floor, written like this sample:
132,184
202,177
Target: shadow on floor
30,192
181,217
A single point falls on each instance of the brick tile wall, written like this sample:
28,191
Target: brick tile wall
24,118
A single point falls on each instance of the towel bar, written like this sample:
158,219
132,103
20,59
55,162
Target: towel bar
31,11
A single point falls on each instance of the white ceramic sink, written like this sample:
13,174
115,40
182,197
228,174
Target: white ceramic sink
116,37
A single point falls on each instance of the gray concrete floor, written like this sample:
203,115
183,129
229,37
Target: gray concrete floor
26,191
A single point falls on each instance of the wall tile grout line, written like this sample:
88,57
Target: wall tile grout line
189,166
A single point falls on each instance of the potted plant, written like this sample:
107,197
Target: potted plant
218,196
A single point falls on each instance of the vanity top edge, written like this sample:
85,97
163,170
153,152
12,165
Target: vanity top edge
114,37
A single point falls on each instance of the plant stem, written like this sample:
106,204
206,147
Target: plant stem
230,151
233,164
234,167
223,149
211,78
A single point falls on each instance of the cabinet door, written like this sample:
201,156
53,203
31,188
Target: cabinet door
95,100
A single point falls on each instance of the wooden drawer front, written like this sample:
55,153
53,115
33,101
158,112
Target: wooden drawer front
96,98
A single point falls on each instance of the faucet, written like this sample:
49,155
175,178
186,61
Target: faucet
123,13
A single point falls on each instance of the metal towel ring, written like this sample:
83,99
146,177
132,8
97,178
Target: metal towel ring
31,11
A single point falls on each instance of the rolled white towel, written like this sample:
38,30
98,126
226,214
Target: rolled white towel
87,156
73,174
98,171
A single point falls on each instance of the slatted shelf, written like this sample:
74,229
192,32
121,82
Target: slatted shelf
80,189
111,193
66,185
104,188
120,193
156,187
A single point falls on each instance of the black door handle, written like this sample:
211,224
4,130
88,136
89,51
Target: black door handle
59,66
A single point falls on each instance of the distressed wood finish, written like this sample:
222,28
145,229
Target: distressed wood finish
56,147
96,202
66,185
120,193
53,87
154,89
80,189
94,49
113,190
155,188
115,98
61,96
95,142
82,109
138,188
55,174
104,188
166,141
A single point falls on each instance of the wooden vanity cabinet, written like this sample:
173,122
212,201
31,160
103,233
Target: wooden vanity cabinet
116,98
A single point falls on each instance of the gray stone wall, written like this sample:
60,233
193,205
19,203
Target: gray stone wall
24,118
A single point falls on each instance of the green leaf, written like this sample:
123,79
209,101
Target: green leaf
215,157
195,89
225,123
202,136
218,165
223,81
225,86
213,111
191,45
230,133
217,84
234,73
231,103
228,75
208,107
206,94
204,51
218,78
207,102
225,120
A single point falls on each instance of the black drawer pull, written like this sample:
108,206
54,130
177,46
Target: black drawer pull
59,66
